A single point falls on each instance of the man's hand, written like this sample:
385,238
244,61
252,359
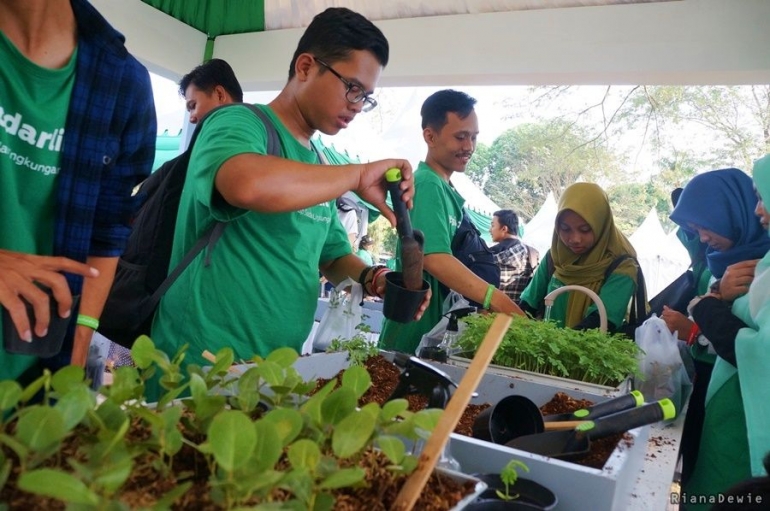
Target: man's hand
373,188
677,322
19,274
737,279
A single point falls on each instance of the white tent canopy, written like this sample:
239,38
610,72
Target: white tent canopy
573,42
662,258
538,232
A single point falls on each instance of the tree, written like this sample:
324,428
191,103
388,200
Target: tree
718,126
525,163
632,202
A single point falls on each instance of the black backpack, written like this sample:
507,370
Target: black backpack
142,276
470,249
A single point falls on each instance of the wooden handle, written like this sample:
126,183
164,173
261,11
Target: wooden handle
560,425
411,490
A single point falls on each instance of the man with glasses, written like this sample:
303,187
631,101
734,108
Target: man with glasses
257,289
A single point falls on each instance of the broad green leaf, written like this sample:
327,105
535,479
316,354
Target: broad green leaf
232,438
208,407
10,394
324,502
75,405
352,433
312,407
172,496
126,385
39,428
304,454
343,477
5,469
113,473
357,379
248,390
13,444
271,372
300,482
393,447
67,377
341,403
143,352
198,387
58,485
283,357
286,422
225,358
269,446
393,408
427,419
36,386
111,415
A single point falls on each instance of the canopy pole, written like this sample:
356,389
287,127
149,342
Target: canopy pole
208,51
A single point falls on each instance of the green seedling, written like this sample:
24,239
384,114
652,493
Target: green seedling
541,346
508,475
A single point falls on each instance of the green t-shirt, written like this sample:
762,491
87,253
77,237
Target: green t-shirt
260,290
365,256
33,111
615,294
437,212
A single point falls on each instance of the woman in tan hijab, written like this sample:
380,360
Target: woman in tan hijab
585,245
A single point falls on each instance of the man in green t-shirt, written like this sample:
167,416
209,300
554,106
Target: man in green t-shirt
450,127
257,289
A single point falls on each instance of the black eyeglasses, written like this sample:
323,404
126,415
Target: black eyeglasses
355,93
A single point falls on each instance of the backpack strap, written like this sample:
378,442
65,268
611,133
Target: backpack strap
210,237
639,299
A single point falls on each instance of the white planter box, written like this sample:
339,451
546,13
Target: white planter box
566,384
578,488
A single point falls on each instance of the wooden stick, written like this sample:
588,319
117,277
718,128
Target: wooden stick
560,425
411,490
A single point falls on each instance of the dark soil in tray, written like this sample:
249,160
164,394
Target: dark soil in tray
385,377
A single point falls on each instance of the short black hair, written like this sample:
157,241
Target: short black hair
435,109
509,219
210,74
335,33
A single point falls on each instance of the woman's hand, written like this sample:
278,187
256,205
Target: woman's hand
677,322
737,279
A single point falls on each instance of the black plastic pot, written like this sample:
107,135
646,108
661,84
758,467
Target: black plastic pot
531,495
46,346
511,417
401,304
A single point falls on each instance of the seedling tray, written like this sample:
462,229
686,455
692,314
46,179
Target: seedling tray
565,384
577,487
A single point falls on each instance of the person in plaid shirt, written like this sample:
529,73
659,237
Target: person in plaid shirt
516,260
77,134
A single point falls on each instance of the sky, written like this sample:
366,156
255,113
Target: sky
392,130
397,117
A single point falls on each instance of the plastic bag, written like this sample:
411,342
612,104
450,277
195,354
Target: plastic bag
341,317
663,372
454,301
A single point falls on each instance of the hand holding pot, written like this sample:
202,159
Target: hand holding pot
19,274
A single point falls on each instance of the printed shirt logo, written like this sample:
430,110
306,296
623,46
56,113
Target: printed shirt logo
313,214
15,127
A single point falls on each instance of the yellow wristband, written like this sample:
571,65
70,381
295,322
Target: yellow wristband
488,296
88,321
